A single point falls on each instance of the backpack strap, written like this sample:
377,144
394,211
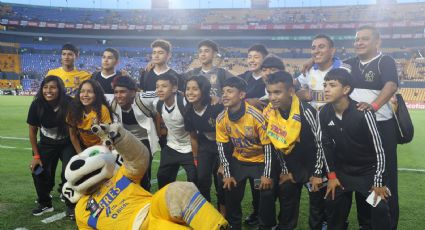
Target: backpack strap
142,106
159,107
180,103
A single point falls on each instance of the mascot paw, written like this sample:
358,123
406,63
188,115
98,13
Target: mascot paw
102,131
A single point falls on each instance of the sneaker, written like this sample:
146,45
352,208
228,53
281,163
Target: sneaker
251,219
42,209
70,212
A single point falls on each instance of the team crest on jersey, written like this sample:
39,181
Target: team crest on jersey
213,79
369,76
249,131
228,129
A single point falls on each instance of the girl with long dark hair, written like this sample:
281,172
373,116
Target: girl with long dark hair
200,122
47,113
88,107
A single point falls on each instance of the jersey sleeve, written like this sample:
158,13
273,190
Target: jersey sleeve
105,117
261,128
85,76
227,74
32,118
325,143
302,79
379,149
388,70
221,135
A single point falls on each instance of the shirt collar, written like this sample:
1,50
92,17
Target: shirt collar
336,63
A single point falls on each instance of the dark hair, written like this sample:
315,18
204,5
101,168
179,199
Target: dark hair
169,77
208,43
236,82
280,76
114,52
124,81
76,109
205,87
62,103
272,61
71,47
375,31
259,48
342,76
326,37
166,45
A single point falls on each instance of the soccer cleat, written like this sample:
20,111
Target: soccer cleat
42,209
251,219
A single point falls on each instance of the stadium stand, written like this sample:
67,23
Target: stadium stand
216,16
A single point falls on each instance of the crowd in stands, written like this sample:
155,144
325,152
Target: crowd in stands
358,13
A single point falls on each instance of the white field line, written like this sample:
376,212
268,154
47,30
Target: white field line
15,138
410,170
12,147
21,229
54,218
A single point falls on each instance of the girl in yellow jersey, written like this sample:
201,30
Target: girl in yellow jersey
88,107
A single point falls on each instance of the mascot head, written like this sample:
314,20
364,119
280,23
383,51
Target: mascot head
88,170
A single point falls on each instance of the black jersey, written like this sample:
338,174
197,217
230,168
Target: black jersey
148,80
203,123
106,83
256,87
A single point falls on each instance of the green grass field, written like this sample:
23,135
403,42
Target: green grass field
17,193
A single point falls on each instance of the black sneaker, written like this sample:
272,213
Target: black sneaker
251,219
70,212
42,209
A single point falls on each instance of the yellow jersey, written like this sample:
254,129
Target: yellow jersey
121,201
87,137
71,79
248,134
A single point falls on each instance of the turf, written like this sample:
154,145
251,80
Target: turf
17,193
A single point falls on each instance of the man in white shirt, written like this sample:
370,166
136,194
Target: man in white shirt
311,85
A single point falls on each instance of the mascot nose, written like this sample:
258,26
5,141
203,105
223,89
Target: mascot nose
77,164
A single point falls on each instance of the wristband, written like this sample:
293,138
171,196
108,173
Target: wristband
36,156
375,106
331,175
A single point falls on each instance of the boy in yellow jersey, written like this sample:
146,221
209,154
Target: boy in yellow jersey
109,196
69,74
245,127
291,127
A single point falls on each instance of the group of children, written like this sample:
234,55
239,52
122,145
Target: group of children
215,126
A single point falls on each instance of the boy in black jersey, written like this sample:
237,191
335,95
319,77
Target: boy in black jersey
353,154
110,61
256,87
161,54
207,51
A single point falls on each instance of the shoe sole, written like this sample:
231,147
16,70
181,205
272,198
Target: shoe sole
44,211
